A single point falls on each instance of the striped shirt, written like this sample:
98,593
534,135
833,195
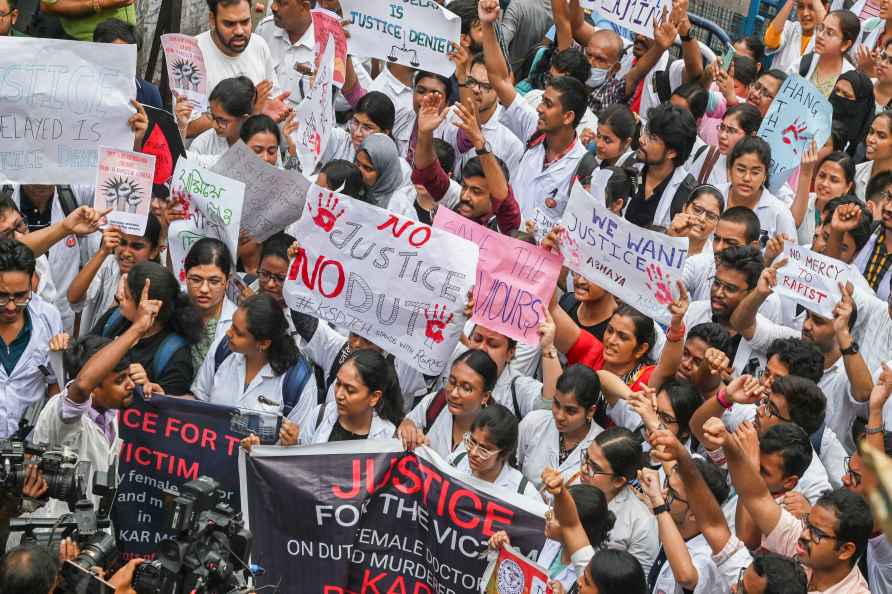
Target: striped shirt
879,263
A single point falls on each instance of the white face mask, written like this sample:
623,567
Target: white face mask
597,78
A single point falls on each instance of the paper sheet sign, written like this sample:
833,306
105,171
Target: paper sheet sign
185,69
810,279
638,266
124,183
512,573
315,115
515,279
798,114
397,282
637,16
419,33
327,29
214,204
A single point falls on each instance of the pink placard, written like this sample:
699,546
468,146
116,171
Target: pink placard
327,23
515,279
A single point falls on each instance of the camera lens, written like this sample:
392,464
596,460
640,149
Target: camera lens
147,578
98,551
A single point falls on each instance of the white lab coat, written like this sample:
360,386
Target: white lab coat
312,434
510,479
774,215
709,578
538,447
663,216
787,53
635,529
440,431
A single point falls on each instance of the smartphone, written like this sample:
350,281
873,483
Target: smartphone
728,58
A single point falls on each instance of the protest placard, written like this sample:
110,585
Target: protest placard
514,281
213,204
59,102
124,184
419,33
372,513
168,441
511,572
637,16
639,266
327,28
810,279
164,142
185,69
315,115
274,198
798,115
397,282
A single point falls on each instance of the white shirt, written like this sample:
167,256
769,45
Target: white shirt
787,53
208,144
719,173
402,201
226,386
538,447
502,142
100,296
256,62
863,173
700,312
542,192
312,434
774,216
589,120
873,328
286,54
509,478
440,431
814,481
27,383
635,529
709,578
879,564
401,95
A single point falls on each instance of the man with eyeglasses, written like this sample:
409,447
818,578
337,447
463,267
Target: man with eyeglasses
828,542
27,323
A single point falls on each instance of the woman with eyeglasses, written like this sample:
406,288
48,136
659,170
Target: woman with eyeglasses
575,528
834,37
207,267
442,418
830,177
878,152
740,121
490,447
882,87
374,114
670,408
230,103
611,463
698,219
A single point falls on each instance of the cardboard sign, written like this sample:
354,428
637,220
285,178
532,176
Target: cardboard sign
124,183
185,69
638,266
419,33
59,102
811,279
315,115
637,16
515,279
512,573
397,282
798,115
326,29
214,205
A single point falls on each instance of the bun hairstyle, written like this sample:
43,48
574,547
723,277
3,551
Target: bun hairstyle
178,312
266,321
377,373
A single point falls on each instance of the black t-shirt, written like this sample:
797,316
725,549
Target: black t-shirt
338,433
176,379
570,304
641,212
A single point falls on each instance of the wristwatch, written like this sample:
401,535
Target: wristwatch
852,349
687,37
660,509
485,150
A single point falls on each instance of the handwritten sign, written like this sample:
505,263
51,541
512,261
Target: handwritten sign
315,115
327,28
510,571
810,279
124,184
59,102
397,282
185,69
798,115
274,198
416,33
214,205
637,16
515,279
638,266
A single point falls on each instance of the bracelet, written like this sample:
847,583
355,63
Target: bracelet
551,353
675,336
874,430
687,37
660,509
720,397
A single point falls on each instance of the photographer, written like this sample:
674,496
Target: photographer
12,504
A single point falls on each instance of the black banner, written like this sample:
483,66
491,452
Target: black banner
167,442
369,518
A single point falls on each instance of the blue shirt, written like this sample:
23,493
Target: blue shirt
11,353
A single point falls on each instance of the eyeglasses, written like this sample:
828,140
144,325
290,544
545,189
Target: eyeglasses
590,468
20,299
771,410
853,475
671,495
760,89
464,388
816,534
270,277
820,28
884,58
701,212
364,129
212,283
728,129
666,419
473,82
220,122
473,447
725,287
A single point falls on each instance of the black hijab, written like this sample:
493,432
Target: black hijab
855,115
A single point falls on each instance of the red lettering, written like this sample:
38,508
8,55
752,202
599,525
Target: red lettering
417,238
398,586
189,433
314,281
429,475
209,439
453,508
421,588
232,444
125,418
424,232
393,221
146,423
149,420
331,589
356,483
370,585
385,478
406,472
172,426
496,513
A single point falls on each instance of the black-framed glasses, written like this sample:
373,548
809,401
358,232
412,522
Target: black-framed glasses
762,90
701,212
671,494
771,410
473,82
816,534
590,468
21,300
213,282
666,419
855,476
267,276
726,288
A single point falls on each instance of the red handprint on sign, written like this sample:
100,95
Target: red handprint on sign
794,130
661,288
325,215
436,322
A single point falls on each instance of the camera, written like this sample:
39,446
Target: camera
63,473
206,555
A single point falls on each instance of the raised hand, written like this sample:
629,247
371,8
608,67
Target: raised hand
552,480
147,310
467,121
665,31
139,123
547,329
84,220
488,11
666,447
649,480
745,390
430,116
289,433
768,278
842,313
846,218
59,342
774,248
715,434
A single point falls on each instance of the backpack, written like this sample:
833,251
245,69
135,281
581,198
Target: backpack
439,403
292,386
805,64
662,85
170,345
684,190
521,487
816,438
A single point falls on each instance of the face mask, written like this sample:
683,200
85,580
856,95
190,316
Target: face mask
597,77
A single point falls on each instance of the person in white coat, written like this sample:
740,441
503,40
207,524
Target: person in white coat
489,451
249,368
368,403
442,418
834,37
787,40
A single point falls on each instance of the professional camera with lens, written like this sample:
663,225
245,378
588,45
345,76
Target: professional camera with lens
63,473
207,554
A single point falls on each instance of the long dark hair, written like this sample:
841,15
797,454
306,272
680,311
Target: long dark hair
596,519
266,321
377,373
178,312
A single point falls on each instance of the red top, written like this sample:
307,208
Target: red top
589,351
